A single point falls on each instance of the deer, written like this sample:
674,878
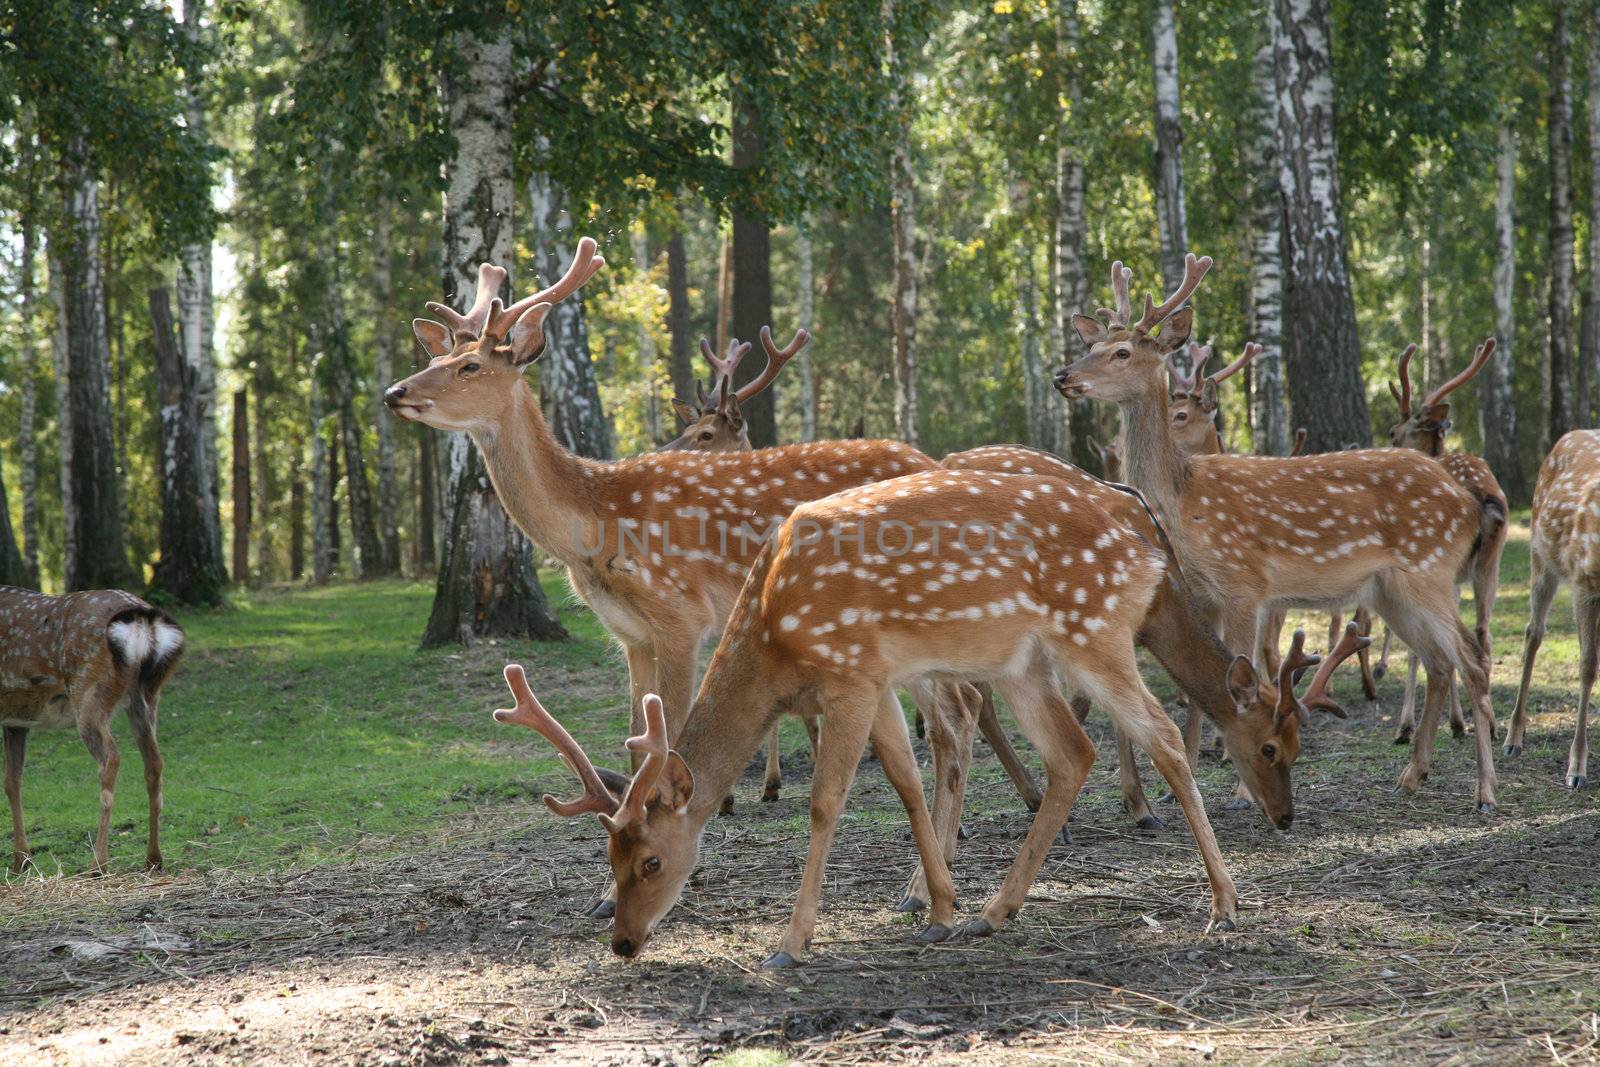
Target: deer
68,662
1423,428
1387,528
859,592
1564,547
1193,400
657,545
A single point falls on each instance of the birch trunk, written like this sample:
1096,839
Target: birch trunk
1562,408
681,360
487,584
1266,265
1069,277
322,518
1171,218
1589,339
28,445
805,283
1321,345
1497,406
189,570
99,559
383,373
902,191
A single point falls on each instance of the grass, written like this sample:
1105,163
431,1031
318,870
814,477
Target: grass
305,727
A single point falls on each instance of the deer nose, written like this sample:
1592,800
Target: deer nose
624,947
392,395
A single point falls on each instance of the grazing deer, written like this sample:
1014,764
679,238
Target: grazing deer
68,661
1385,527
657,545
1423,429
1565,547
1015,579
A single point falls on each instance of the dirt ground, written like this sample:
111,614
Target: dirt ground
1383,928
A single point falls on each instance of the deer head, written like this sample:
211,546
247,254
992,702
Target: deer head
477,358
652,843
1193,400
1424,428
1123,358
1110,460
718,425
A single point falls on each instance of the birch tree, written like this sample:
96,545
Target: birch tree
1559,262
1171,218
1321,345
902,193
383,373
323,548
1589,342
1266,264
28,445
1069,278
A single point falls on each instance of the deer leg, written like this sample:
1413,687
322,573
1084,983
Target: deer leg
1458,722
1369,681
1408,704
995,735
772,782
15,739
850,722
1243,628
1541,591
1068,754
142,716
1587,610
1382,667
950,729
1134,801
96,734
1472,664
893,745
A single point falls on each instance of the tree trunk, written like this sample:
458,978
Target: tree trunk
63,371
1321,344
805,284
118,386
13,568
903,212
1266,266
264,485
99,559
1589,332
1560,259
647,346
335,531
388,561
681,360
1497,402
1068,277
241,487
724,293
752,272
486,584
1171,218
196,306
297,512
324,522
427,537
189,571
28,444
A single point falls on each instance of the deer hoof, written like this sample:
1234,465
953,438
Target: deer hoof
979,927
961,831
1223,925
779,961
1033,803
1236,804
153,863
1513,750
932,934
1403,736
601,909
1485,807
909,903
1065,836
1379,671
1458,730
768,795
1151,822
727,805
1577,781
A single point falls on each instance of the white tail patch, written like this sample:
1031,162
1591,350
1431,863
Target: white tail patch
132,639
168,640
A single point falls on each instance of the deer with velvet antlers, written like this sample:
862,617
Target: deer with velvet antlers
1388,528
944,575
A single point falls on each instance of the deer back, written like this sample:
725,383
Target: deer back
1566,507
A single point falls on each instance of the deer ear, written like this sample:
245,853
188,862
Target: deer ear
527,336
1241,680
686,413
434,336
1175,331
1090,329
616,783
730,408
1439,413
675,787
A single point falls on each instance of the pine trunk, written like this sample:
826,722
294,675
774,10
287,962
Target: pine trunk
1562,408
805,284
324,523
189,571
99,558
646,343
1497,404
903,217
388,561
1266,266
1171,218
1069,278
241,487
724,292
27,432
487,584
681,359
264,484
13,568
1321,345
1589,331
752,272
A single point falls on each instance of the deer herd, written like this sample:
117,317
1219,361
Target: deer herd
834,572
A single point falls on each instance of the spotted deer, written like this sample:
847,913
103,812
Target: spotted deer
1423,428
1193,400
1259,722
1564,547
68,662
714,423
1384,527
939,575
657,544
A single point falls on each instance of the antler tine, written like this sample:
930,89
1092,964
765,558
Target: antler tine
471,325
776,358
653,743
585,264
1479,358
1317,692
1296,661
1299,442
1405,381
1194,269
530,713
723,367
1251,351
1123,309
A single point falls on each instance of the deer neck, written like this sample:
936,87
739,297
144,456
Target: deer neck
545,489
1151,461
1190,651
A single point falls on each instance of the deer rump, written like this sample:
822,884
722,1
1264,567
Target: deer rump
147,639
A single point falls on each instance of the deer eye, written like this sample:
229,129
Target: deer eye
470,368
652,866
706,435
1122,353
1269,750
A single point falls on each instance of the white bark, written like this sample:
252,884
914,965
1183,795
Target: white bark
1562,408
1266,265
1069,279
28,445
902,191
1589,343
1171,218
1497,407
805,284
383,373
